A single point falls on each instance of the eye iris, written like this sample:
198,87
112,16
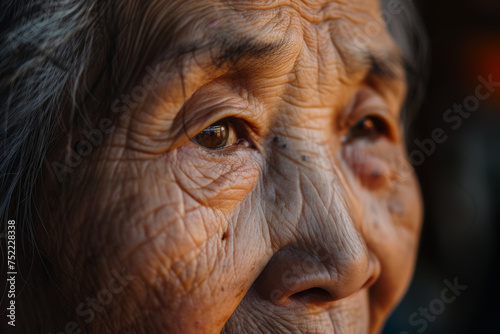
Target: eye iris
368,127
214,136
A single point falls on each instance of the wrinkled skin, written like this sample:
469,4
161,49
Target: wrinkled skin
299,228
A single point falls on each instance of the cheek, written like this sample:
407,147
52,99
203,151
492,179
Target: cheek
391,216
372,171
174,227
392,221
215,180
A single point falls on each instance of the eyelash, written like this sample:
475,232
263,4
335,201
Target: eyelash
374,127
230,126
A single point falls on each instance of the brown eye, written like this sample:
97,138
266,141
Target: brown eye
370,128
222,134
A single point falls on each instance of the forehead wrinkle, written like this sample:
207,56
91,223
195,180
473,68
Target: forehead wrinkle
227,48
313,11
367,63
383,64
199,59
220,42
223,45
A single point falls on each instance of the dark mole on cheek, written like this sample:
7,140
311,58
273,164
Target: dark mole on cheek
224,236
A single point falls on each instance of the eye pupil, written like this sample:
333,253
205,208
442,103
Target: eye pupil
215,136
368,124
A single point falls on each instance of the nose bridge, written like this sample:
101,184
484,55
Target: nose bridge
326,226
307,195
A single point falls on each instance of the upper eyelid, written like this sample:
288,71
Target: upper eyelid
235,118
212,103
191,121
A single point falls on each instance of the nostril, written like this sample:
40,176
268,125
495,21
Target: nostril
293,275
313,295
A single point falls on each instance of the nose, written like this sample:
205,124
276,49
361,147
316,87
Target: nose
315,222
317,275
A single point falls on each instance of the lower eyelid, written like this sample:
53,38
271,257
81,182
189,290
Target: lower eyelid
218,164
372,171
229,150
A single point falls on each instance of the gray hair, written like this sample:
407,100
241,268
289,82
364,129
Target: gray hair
45,53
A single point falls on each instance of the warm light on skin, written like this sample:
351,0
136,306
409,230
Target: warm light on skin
293,229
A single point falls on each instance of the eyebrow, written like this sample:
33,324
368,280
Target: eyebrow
230,50
234,52
385,66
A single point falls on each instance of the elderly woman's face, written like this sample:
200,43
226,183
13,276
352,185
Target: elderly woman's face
258,188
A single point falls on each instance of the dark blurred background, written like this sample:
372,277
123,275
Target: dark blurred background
460,179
